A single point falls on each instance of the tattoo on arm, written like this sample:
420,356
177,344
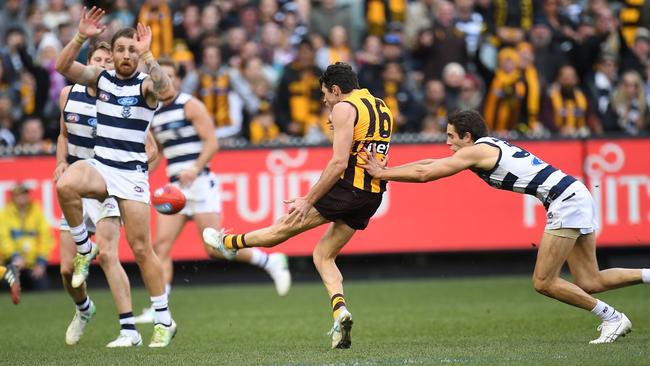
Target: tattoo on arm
160,80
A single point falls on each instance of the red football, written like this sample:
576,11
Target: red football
168,199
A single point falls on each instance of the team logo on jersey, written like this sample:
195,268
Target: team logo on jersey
138,189
126,112
104,97
127,101
109,206
72,117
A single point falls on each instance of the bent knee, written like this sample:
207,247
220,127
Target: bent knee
542,285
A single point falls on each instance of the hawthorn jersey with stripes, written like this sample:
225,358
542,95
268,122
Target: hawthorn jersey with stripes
123,119
519,171
372,129
180,141
80,116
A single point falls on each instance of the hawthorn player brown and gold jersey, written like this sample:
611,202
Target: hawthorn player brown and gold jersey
372,129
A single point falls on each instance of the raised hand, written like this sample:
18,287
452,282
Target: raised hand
90,24
142,38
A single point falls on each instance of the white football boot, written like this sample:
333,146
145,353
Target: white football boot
341,331
611,330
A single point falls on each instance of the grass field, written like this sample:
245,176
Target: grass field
496,321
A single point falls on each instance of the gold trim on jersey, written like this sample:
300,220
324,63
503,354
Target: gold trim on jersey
373,129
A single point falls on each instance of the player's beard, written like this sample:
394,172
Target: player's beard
125,68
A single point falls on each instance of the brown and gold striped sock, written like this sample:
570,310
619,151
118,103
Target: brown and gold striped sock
338,302
234,241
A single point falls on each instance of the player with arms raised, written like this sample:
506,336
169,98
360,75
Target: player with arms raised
126,102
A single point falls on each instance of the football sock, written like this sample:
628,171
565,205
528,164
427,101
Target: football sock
645,275
605,312
162,314
168,288
234,241
127,323
259,258
338,303
81,238
84,305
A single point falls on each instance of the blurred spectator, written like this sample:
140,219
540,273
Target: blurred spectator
275,49
382,13
189,29
224,99
267,10
529,116
297,103
7,138
435,111
158,15
31,136
47,52
122,12
509,20
419,16
325,14
248,21
471,96
293,24
442,44
569,104
56,13
637,56
607,28
398,99
631,16
470,23
13,14
630,104
235,40
505,95
26,236
647,83
548,55
452,76
600,86
337,49
263,128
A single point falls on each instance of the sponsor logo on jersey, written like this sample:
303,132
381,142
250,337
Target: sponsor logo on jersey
138,189
127,101
72,117
92,122
537,161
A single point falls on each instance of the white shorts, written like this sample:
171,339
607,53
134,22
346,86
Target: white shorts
93,212
203,196
126,184
573,209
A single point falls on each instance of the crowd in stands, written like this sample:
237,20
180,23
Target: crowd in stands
534,68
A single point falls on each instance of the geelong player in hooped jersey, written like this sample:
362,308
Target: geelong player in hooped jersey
570,233
126,101
76,142
185,132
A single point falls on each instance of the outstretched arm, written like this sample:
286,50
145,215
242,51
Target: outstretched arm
425,170
157,87
89,26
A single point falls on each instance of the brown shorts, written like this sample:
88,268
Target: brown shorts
351,205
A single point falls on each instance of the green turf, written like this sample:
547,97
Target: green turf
497,321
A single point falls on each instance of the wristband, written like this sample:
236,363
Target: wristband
79,39
147,56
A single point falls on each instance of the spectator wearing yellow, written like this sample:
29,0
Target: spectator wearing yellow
380,13
26,237
507,91
158,15
569,104
529,121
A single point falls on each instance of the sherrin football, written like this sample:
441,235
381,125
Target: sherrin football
168,199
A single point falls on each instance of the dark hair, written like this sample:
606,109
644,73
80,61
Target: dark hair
468,121
124,32
99,45
340,74
166,61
